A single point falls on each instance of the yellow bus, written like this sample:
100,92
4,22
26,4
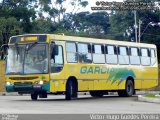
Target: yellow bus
42,64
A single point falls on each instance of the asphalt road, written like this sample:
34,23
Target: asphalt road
85,104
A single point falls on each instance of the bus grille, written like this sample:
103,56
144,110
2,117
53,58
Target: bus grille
23,89
23,78
21,83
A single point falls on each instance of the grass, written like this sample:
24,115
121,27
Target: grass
151,96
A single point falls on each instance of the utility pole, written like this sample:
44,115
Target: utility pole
135,24
139,26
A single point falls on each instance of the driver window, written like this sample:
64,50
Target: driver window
56,60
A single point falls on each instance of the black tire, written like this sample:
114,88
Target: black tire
34,96
96,93
129,89
71,90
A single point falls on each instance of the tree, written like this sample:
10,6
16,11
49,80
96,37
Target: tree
122,23
8,27
20,10
42,26
91,24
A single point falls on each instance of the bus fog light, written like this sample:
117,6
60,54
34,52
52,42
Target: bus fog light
8,83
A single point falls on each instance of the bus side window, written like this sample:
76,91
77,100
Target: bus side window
57,61
134,56
84,53
98,55
111,54
123,57
71,52
153,57
145,59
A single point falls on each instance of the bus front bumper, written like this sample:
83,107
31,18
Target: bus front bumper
26,88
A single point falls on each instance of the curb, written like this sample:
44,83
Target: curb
146,99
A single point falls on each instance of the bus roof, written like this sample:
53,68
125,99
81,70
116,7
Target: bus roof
99,41
49,37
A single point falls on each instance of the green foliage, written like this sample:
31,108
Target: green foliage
48,16
15,17
90,23
8,27
122,21
151,96
41,26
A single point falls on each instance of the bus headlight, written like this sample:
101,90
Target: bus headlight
41,82
8,83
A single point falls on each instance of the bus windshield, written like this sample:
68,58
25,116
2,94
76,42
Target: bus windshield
27,59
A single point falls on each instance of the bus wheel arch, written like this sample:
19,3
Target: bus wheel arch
71,88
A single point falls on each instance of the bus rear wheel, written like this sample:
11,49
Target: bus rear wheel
34,96
129,89
71,90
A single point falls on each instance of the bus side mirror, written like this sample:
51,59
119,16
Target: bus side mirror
55,51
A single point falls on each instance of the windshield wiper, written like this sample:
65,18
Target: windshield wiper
31,46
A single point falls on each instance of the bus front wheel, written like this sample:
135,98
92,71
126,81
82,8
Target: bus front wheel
34,96
71,90
129,89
